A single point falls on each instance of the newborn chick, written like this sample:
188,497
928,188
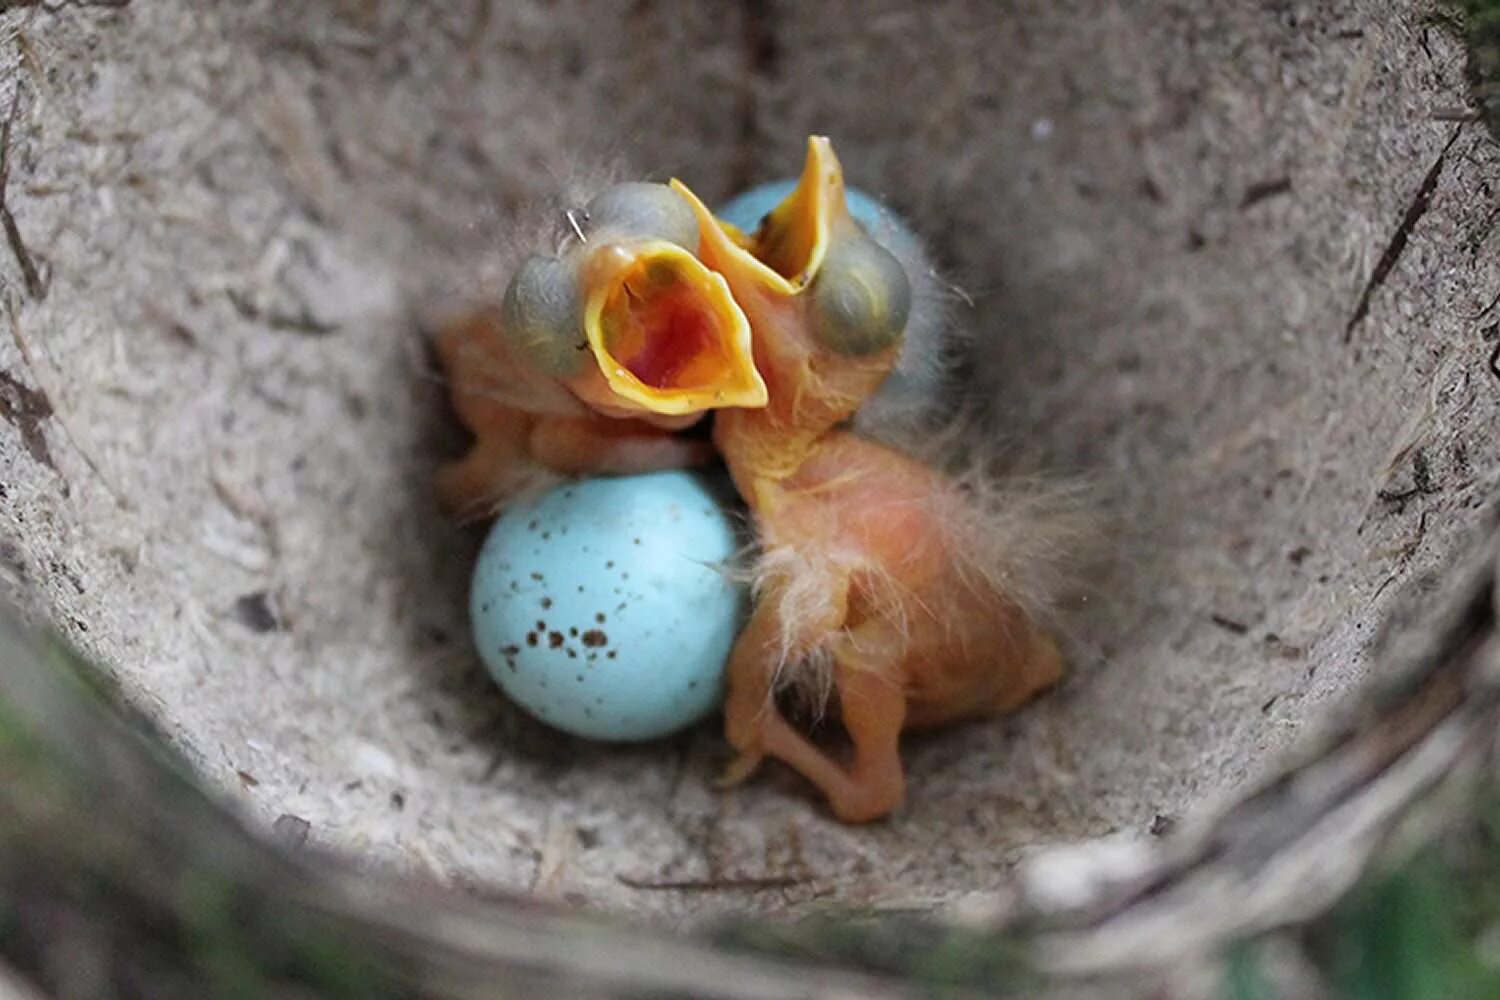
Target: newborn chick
878,577
598,356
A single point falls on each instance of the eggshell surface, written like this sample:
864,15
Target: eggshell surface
606,609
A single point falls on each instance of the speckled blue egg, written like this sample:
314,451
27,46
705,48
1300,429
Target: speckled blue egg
605,609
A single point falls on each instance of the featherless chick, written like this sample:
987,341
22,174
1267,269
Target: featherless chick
597,356
884,586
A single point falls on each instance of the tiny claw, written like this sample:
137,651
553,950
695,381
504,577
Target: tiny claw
740,770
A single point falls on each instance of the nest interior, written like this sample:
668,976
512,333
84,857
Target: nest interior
1232,261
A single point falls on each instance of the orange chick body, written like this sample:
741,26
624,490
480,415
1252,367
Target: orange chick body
871,579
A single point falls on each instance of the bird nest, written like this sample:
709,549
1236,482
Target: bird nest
1234,263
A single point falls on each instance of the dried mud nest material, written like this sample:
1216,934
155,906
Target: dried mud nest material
1235,262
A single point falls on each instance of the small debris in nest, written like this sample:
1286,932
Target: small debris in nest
1421,483
247,779
1229,624
1263,190
1415,210
291,830
1162,824
254,611
25,408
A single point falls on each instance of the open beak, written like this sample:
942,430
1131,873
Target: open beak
811,278
666,333
785,254
794,237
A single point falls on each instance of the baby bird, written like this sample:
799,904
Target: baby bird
597,356
878,576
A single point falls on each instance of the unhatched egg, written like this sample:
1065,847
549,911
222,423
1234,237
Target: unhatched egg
606,609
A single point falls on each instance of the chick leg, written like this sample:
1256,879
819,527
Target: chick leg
771,640
873,707
871,701
749,704
496,465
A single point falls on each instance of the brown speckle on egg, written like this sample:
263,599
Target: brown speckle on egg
546,603
599,617
594,638
531,638
554,639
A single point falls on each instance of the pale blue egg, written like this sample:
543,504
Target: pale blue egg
606,608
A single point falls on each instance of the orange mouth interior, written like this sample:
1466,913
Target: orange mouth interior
669,336
663,333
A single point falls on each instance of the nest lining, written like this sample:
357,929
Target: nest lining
222,426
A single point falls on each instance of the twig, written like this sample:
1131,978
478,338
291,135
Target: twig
760,884
1485,311
1229,624
1397,246
35,286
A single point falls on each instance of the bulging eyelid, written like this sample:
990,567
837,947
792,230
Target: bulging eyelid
541,316
642,211
861,297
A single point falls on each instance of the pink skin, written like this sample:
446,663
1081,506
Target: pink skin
661,341
874,564
557,430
